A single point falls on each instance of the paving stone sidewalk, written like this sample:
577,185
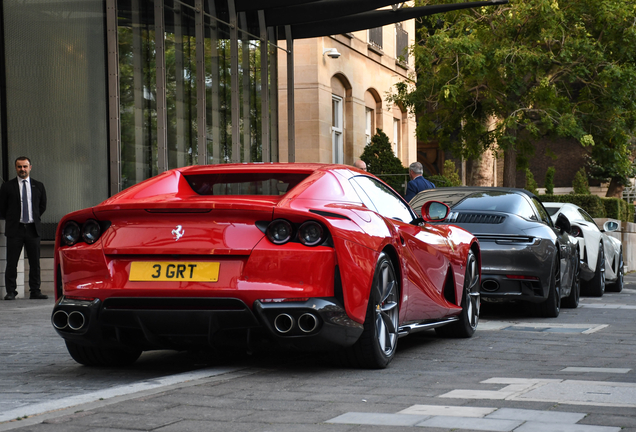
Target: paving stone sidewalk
298,392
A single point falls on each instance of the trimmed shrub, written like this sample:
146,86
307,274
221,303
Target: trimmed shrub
549,181
580,183
531,184
450,172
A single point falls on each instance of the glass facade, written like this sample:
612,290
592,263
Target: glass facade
103,94
169,70
56,100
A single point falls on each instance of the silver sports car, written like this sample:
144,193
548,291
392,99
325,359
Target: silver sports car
601,255
525,255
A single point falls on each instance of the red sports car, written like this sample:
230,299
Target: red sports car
318,257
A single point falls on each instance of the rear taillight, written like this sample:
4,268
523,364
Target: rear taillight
71,233
279,231
90,231
311,233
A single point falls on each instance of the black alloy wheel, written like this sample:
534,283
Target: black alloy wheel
595,287
617,286
376,346
551,307
572,300
471,303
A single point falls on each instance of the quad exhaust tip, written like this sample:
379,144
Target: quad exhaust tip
306,323
490,285
62,320
283,323
76,320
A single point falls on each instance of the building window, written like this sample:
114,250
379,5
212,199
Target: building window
375,36
368,129
337,130
401,44
396,136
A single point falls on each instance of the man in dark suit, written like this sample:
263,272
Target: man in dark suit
417,183
22,203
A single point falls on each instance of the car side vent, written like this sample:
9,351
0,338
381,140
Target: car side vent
478,218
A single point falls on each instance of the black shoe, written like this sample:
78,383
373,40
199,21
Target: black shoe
11,295
37,295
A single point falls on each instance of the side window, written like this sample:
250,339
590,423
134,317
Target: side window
542,213
587,217
363,196
525,210
571,213
386,202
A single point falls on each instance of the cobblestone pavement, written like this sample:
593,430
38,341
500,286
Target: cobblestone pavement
576,373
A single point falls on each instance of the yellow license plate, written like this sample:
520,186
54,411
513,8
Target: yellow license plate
174,271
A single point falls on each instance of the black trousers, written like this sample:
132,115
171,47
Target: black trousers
28,238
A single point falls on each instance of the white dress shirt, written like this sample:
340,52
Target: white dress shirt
28,197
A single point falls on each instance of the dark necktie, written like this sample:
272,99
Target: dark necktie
25,203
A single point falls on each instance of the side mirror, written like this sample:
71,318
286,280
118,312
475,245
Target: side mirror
434,211
563,223
610,226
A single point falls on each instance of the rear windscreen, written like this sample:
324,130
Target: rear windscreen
245,183
507,202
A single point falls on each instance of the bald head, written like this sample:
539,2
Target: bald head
360,164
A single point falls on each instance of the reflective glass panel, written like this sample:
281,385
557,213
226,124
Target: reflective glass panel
137,91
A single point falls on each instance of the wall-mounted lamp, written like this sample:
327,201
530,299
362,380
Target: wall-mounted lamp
331,52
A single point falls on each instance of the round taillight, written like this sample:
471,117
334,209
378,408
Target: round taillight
576,231
91,231
71,233
279,231
310,233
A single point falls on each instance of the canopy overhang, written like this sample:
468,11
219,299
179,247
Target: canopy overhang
314,18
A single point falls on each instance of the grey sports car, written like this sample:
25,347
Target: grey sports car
525,256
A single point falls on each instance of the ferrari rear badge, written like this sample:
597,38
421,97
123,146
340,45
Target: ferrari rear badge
178,232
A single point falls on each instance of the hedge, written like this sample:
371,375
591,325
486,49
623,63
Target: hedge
617,208
590,203
597,207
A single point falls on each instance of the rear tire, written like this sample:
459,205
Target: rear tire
552,306
96,356
572,301
471,303
376,346
595,287
618,285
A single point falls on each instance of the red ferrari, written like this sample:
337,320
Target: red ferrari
313,256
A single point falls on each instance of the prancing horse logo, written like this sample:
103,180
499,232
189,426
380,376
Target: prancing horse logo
178,232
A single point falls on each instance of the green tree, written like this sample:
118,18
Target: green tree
503,76
580,184
549,181
382,162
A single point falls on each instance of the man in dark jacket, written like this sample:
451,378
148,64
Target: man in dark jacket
417,183
22,203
